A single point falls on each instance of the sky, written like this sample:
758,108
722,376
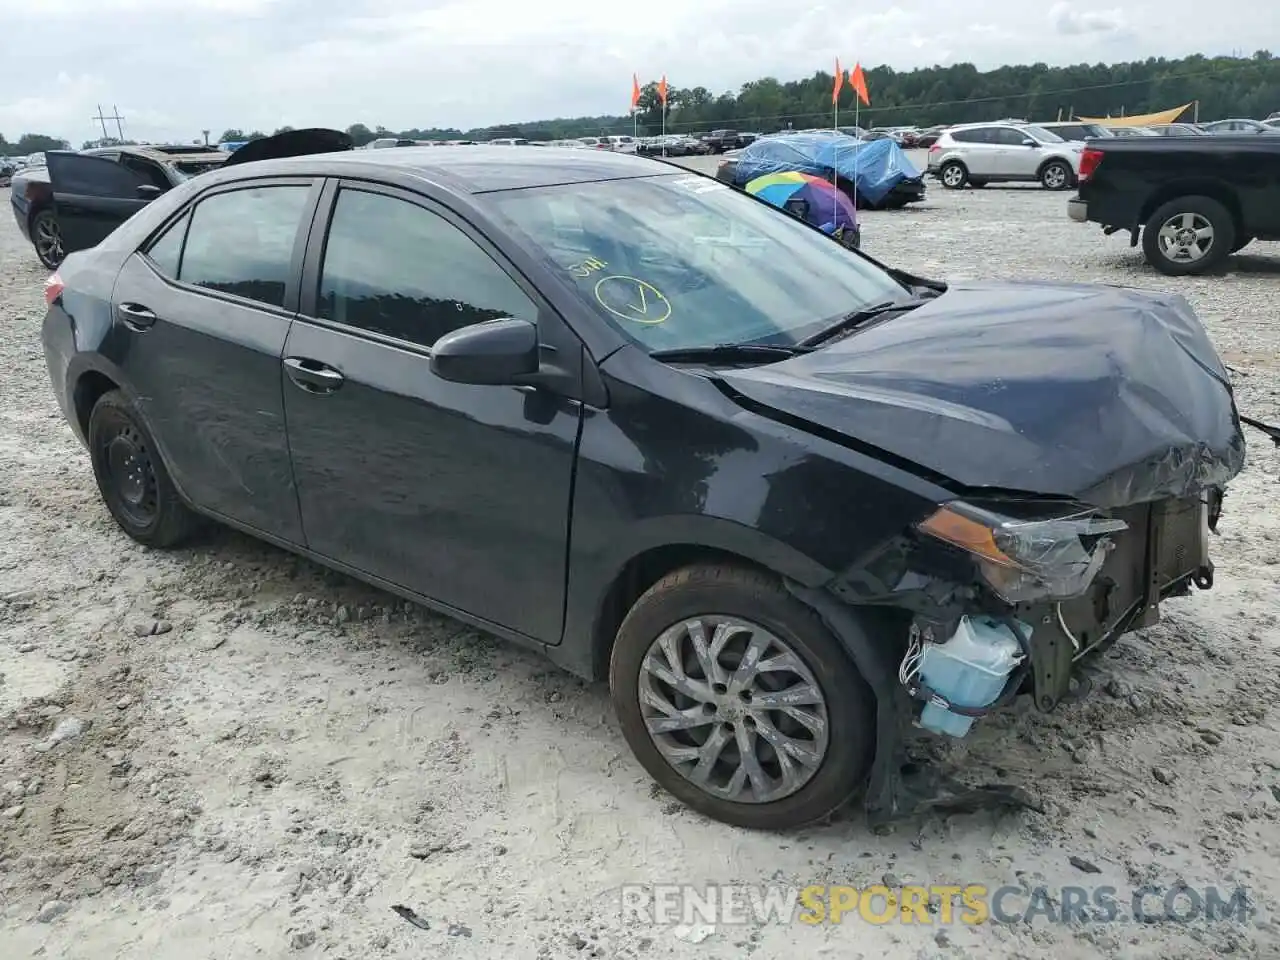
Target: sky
174,69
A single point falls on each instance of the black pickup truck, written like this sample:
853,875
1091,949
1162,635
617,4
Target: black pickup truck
1194,200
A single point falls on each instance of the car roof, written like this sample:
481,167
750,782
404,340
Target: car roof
162,155
477,169
989,123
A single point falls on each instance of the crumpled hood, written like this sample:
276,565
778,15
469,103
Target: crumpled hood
1105,394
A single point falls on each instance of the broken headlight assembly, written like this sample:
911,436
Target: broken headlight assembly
1043,553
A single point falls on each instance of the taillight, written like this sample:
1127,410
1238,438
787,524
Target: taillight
52,289
1089,161
935,149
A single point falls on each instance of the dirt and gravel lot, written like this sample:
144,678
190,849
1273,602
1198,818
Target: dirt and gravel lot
226,752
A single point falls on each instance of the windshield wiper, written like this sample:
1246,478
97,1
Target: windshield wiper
730,353
851,321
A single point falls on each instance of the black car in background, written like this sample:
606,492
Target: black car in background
719,141
656,428
137,174
1191,201
76,198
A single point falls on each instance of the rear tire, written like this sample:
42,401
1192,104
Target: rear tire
754,611
1188,235
46,237
1055,175
132,478
953,174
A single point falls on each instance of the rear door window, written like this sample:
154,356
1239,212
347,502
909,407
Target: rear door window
241,242
977,135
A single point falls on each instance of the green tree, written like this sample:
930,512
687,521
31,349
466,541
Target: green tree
234,135
38,143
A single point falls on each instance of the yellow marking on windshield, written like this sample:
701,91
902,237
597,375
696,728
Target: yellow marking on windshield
639,302
580,271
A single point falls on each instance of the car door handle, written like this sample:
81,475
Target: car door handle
135,316
312,375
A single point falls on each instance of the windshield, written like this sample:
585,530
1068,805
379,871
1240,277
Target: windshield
676,262
1041,134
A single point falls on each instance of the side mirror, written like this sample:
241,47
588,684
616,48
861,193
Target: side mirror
148,191
497,352
1028,142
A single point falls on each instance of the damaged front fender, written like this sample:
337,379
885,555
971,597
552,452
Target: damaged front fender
897,788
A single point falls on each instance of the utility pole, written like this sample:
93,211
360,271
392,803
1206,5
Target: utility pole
103,118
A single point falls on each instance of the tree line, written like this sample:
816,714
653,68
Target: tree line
960,93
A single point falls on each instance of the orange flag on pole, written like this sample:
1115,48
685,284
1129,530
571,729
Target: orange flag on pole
662,89
839,85
635,91
858,80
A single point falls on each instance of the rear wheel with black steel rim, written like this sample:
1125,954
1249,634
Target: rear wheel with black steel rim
737,699
132,477
46,237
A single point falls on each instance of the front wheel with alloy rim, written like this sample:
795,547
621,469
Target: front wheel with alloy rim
737,699
1188,235
46,237
953,175
132,477
1055,175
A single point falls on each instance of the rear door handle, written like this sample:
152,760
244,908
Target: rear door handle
312,375
135,316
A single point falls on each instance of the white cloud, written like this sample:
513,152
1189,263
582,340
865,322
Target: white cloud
176,68
1069,20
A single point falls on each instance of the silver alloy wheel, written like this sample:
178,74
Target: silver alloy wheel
733,709
953,175
1186,237
48,240
1055,176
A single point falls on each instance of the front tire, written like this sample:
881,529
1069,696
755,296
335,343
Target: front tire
1188,235
132,478
768,749
1055,175
954,175
46,237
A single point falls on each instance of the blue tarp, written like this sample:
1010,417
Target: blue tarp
875,167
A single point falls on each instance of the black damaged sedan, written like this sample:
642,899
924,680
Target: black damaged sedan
793,504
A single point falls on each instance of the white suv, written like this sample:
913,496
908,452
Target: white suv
982,153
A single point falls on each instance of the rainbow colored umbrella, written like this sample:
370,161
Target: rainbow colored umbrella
811,198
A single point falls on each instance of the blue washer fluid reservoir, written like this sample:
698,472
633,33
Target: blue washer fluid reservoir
970,670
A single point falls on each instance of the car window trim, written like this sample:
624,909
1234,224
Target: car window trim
289,310
323,220
553,329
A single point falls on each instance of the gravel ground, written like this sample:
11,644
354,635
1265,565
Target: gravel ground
225,752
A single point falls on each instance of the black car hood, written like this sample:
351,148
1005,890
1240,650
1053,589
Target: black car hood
292,143
1104,394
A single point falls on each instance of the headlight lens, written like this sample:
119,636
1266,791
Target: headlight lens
1028,560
